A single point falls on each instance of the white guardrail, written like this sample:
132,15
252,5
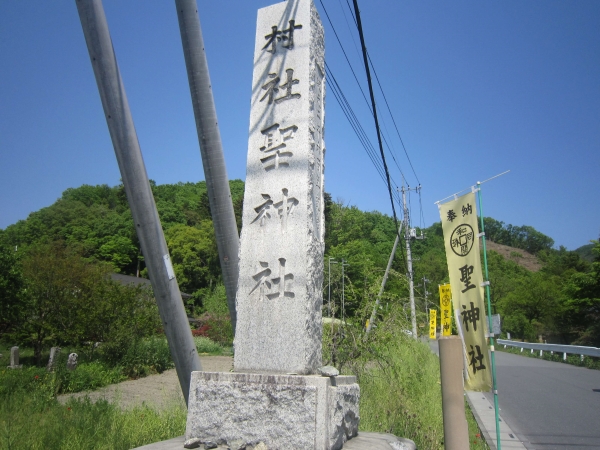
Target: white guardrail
564,349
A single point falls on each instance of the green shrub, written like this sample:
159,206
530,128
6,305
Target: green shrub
206,345
86,377
215,322
147,356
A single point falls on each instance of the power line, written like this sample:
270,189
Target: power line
346,56
364,50
390,148
348,25
392,116
385,99
355,123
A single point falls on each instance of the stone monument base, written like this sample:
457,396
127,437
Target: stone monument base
282,411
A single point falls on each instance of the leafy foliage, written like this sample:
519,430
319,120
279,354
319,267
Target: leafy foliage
523,237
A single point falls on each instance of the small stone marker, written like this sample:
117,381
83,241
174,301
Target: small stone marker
54,351
72,361
14,358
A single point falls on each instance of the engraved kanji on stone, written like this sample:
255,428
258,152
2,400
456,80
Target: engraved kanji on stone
263,210
273,287
275,148
284,208
288,85
271,88
285,36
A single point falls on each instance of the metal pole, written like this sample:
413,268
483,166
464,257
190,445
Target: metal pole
213,161
331,315
411,284
456,431
342,315
329,294
343,285
489,308
139,193
425,294
385,277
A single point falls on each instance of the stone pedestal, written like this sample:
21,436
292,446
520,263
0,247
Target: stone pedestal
282,411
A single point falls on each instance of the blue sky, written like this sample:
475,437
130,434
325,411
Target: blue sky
476,88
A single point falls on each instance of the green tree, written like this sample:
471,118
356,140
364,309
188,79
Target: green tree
580,312
194,255
11,285
532,305
59,300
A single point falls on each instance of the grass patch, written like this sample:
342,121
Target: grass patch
82,424
475,435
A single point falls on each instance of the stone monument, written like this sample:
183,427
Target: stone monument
275,396
72,361
54,351
14,359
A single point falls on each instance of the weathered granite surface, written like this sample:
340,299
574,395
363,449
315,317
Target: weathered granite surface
282,411
364,441
14,358
279,294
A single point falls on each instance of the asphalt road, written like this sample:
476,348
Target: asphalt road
549,405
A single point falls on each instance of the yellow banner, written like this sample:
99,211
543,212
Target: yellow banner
446,309
432,323
459,224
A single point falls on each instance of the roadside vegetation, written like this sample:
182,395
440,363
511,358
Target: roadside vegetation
588,362
56,290
399,377
31,417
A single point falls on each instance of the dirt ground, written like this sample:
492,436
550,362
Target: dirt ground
521,257
157,391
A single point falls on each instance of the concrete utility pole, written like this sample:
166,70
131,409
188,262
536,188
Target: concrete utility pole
343,295
385,277
139,193
213,161
456,432
425,294
411,284
331,260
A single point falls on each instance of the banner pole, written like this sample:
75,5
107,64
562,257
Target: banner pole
489,307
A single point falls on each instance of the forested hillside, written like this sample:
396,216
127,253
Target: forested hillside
558,298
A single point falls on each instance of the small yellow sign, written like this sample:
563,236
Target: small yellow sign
446,309
432,323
